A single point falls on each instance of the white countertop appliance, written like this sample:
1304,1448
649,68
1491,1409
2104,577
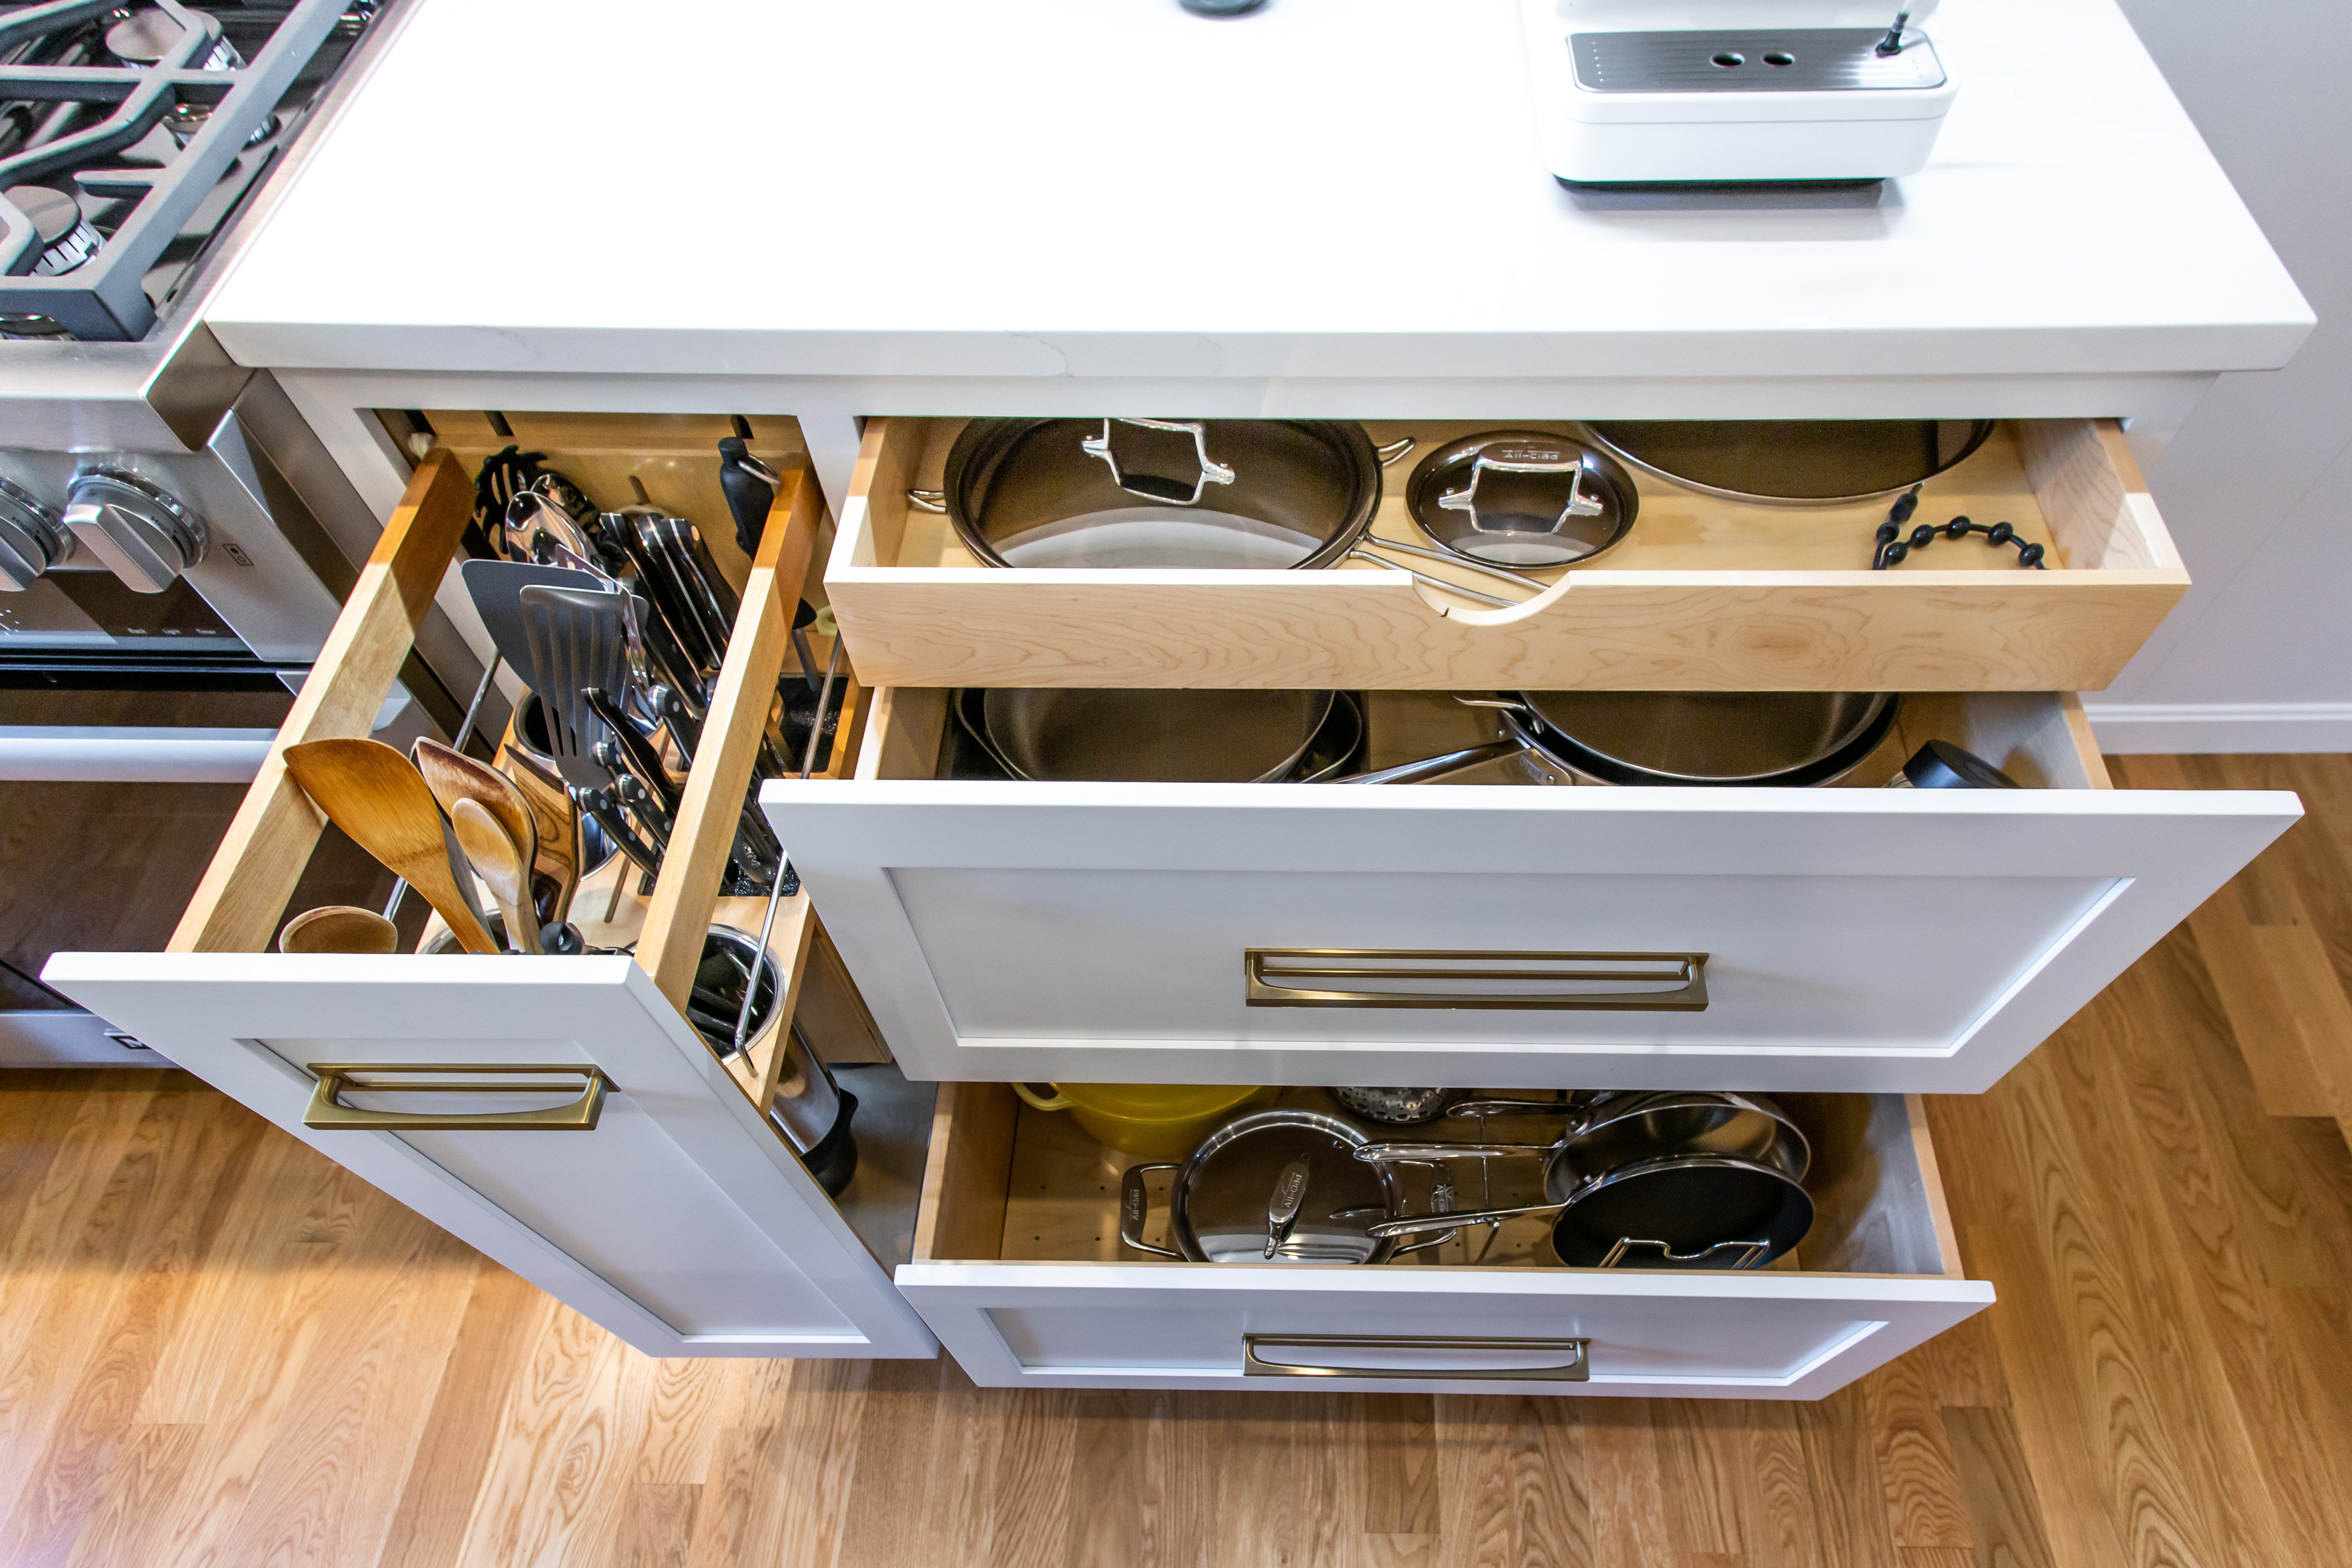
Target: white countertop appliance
1735,91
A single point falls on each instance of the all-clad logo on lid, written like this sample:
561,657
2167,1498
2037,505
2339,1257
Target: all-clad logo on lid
1525,454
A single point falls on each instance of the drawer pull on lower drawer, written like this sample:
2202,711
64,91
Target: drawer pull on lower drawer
1336,1355
1285,977
327,1112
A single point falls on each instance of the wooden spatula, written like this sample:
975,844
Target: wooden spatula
502,865
339,928
372,793
453,776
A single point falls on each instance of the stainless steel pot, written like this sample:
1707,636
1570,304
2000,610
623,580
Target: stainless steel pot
1794,462
1274,1186
1072,733
1176,493
1522,499
1672,1179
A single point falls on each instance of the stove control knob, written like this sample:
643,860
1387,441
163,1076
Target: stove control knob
31,538
143,535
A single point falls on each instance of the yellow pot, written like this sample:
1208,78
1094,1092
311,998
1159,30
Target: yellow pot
1155,1121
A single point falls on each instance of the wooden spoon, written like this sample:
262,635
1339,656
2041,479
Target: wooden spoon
502,865
453,776
555,820
372,793
339,928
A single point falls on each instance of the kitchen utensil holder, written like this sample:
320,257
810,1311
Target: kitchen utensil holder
264,853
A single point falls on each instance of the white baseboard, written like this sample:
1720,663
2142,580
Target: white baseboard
2131,729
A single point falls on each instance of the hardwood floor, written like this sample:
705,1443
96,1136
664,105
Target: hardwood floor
216,1347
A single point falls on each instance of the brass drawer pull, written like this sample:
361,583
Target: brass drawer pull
1573,1363
327,1112
1274,977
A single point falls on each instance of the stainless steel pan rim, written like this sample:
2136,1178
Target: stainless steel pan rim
1711,1122
1981,431
1848,728
1231,493
1066,734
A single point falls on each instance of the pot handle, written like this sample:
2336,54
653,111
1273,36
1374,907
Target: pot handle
1135,1205
1422,1154
1151,486
927,500
1395,451
1418,1225
1578,504
1359,552
1059,1101
1429,768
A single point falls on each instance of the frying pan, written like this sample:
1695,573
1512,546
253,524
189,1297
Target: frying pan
1794,462
1690,737
1673,1179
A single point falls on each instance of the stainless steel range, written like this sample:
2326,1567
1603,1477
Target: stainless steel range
130,135
164,514
174,543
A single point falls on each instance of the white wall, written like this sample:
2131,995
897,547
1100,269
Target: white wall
2257,488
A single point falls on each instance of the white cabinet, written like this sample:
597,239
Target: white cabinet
680,1222
1016,1268
1847,938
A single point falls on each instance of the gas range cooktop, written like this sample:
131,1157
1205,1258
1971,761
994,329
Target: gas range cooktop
130,130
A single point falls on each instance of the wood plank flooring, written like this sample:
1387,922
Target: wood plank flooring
217,1349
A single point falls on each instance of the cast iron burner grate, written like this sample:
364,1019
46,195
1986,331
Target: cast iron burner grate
130,132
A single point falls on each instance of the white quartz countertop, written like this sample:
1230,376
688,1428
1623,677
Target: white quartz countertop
1337,189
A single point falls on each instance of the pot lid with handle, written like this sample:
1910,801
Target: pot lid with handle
1126,492
1521,498
1283,1186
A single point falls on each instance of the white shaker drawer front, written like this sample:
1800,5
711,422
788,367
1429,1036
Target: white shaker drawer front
1750,1336
1830,939
1020,1269
680,1222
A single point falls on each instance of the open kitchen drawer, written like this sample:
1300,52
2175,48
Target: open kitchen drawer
580,1133
1018,1268
1834,939
1703,595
